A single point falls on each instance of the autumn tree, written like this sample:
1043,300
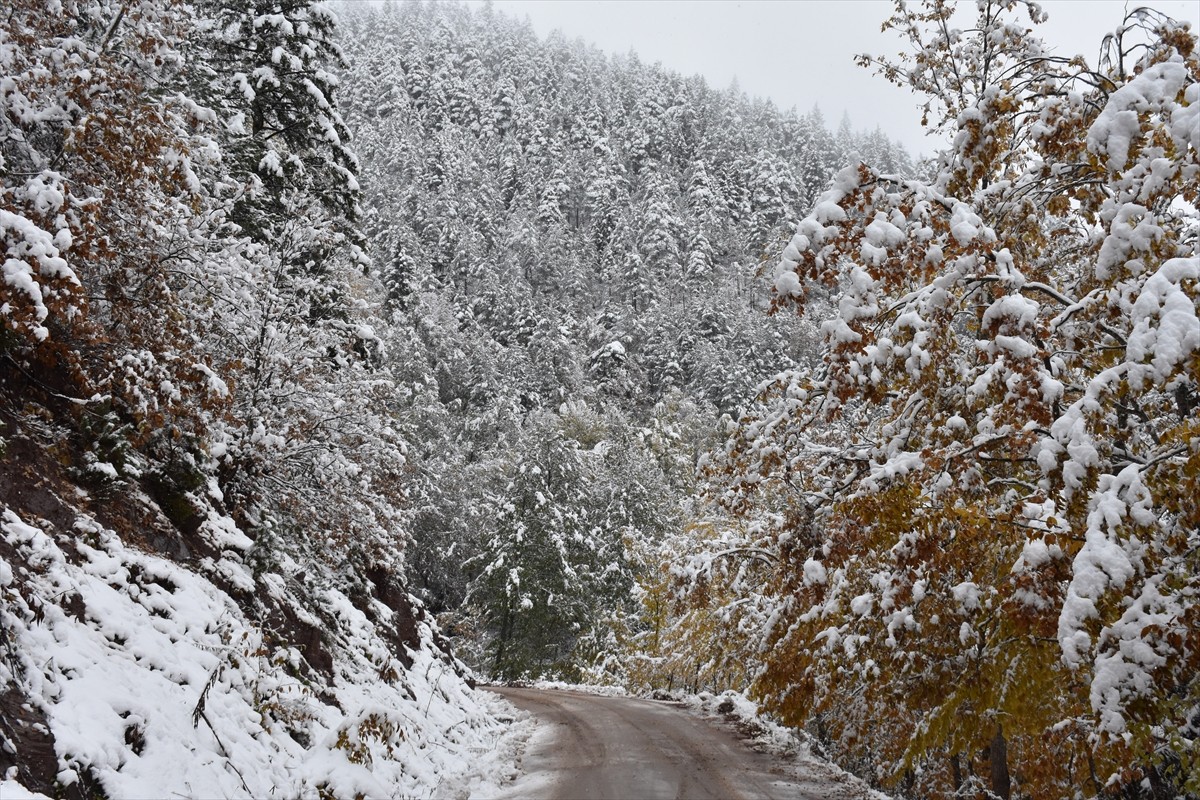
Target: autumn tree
975,517
183,275
99,162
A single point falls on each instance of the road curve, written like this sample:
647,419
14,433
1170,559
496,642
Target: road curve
620,748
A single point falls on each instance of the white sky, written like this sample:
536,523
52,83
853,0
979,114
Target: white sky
797,53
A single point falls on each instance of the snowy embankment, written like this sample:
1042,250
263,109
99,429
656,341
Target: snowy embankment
129,675
808,766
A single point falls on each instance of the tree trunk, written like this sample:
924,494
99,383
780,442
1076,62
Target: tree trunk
505,633
956,772
998,758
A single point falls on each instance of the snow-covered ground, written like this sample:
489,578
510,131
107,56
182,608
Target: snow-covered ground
154,683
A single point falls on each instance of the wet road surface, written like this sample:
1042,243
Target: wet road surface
620,748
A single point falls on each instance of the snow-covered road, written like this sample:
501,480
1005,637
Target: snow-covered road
619,747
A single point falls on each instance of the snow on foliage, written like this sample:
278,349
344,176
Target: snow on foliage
567,241
993,472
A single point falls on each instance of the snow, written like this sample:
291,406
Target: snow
883,233
11,790
600,689
1102,562
162,686
966,594
827,211
1132,234
32,253
787,283
873,255
965,224
918,590
814,572
862,604
1034,554
270,164
1017,310
1118,125
1185,118
1126,667
1166,330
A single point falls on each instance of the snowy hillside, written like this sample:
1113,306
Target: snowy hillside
134,675
202,512
350,354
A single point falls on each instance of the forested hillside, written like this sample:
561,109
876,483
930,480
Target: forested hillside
202,530
574,250
351,354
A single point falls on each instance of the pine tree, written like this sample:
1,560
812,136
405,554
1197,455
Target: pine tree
552,558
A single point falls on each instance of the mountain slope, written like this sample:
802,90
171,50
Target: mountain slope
571,245
202,584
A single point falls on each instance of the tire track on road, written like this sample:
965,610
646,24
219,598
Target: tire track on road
619,748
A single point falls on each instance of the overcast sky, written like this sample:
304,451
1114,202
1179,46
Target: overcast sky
797,53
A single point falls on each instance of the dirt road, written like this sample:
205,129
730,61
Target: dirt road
593,748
